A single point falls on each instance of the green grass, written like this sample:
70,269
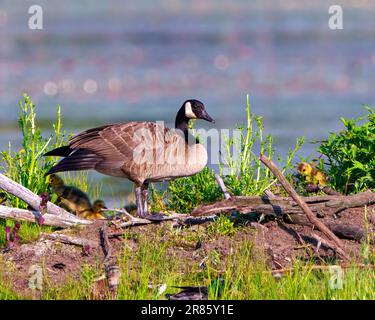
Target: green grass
241,274
223,225
27,232
28,167
350,155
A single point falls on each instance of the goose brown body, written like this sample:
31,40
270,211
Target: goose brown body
116,151
142,152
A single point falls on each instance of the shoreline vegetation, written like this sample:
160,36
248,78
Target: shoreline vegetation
243,250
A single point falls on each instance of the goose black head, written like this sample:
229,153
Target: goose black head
194,109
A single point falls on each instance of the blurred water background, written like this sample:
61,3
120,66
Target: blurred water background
117,61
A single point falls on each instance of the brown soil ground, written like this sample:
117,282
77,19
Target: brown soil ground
280,242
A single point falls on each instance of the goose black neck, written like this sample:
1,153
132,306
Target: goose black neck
182,123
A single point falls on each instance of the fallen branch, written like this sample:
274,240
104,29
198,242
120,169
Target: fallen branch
320,241
49,219
338,245
278,206
346,231
63,238
54,216
28,197
182,218
269,194
316,188
222,186
112,270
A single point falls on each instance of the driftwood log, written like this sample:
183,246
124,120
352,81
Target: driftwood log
54,216
346,231
49,219
288,210
29,197
279,206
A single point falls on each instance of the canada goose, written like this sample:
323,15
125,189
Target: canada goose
95,212
312,174
142,152
70,198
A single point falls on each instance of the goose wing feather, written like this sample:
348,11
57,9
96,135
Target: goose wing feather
117,144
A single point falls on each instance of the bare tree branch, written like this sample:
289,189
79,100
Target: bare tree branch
338,245
30,198
222,186
49,219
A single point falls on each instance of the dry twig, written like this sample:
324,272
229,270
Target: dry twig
112,270
222,186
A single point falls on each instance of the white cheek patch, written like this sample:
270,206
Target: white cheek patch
189,111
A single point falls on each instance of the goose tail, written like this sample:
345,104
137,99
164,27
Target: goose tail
59,152
76,160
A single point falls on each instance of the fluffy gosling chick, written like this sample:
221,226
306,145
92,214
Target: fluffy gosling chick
312,174
71,198
95,212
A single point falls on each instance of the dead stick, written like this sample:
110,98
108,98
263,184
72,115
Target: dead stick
183,218
321,241
222,186
63,238
315,221
112,270
269,194
104,241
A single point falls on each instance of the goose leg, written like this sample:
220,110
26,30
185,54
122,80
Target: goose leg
144,189
146,214
141,196
139,201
